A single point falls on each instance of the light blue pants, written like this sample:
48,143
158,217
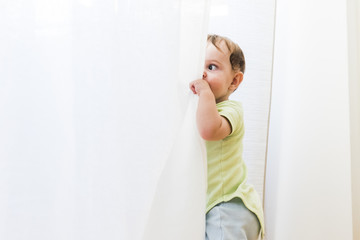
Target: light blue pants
231,221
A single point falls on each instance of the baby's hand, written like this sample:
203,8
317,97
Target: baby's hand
199,85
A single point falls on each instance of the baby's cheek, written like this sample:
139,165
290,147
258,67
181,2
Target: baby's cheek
214,85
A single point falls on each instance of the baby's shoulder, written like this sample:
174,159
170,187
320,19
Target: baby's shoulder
230,106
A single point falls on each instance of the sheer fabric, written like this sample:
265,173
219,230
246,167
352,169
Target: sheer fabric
96,119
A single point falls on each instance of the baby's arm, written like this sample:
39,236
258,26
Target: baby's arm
211,125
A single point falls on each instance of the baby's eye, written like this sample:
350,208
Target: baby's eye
212,67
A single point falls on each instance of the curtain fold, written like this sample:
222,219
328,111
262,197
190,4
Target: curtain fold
95,113
178,207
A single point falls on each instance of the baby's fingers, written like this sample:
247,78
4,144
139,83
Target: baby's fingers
192,87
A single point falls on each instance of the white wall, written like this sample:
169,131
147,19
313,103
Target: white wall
308,183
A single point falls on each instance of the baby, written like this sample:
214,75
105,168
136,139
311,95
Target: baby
233,208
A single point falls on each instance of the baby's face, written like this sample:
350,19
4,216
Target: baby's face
218,71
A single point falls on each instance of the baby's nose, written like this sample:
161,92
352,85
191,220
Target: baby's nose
204,75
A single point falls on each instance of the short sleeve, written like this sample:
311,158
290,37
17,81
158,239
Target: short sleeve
233,112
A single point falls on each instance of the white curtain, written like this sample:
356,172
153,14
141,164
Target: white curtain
94,113
308,182
353,22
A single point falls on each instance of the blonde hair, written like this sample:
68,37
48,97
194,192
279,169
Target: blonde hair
237,58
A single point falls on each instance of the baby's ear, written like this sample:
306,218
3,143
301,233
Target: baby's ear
238,77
